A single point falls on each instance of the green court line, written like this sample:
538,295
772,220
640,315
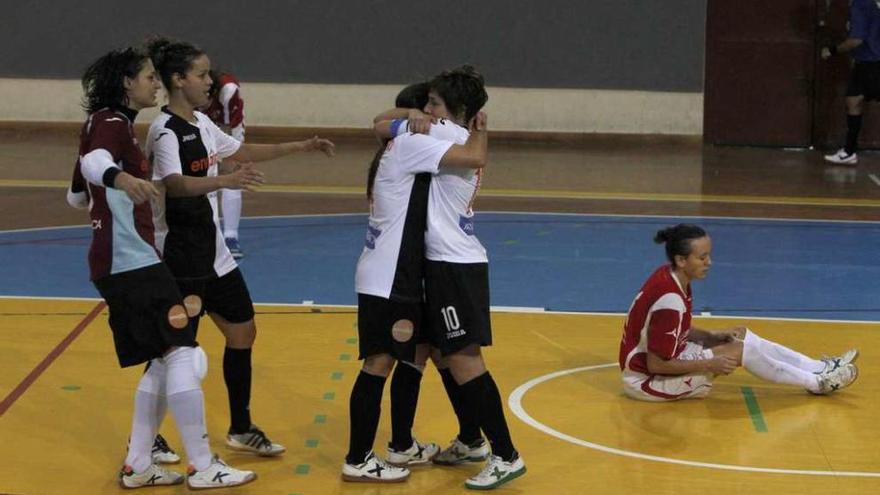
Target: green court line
351,340
302,469
345,357
754,410
71,387
329,395
337,375
320,419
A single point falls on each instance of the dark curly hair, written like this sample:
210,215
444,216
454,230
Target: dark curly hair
104,80
172,57
462,89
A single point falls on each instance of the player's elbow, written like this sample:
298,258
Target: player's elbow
78,200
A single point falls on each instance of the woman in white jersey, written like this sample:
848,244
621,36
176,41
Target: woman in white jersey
457,276
184,147
389,285
663,357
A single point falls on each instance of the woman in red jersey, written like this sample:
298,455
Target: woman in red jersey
663,357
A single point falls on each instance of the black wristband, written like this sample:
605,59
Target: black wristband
110,176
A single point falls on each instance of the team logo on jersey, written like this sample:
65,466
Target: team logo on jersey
372,234
466,224
188,137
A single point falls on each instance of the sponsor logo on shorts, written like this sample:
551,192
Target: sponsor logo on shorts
466,224
454,334
372,234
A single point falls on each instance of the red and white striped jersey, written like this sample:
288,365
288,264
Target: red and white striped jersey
659,321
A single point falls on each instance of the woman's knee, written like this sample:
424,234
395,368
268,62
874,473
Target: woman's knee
378,364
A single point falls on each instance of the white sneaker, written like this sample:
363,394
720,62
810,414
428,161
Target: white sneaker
459,452
374,470
162,453
155,475
842,157
838,379
255,442
217,475
834,362
418,453
496,473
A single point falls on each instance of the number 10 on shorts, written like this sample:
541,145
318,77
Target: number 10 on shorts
453,325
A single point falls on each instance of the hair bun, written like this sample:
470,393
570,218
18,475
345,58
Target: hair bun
662,235
157,48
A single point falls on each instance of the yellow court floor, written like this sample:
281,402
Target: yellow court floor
66,432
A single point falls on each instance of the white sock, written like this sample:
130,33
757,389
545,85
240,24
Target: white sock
230,203
187,404
790,356
145,421
162,403
188,409
761,363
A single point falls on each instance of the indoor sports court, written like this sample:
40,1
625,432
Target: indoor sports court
589,157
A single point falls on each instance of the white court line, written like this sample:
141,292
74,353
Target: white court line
515,404
874,178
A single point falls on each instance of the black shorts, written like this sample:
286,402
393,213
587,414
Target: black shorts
376,318
227,296
864,80
457,313
147,315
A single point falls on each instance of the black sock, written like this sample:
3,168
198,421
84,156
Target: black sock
364,408
405,385
194,323
237,375
468,428
483,394
853,127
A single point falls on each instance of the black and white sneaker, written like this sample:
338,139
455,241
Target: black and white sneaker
162,453
155,475
374,470
217,475
255,442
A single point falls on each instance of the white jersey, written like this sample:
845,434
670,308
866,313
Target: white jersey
450,236
390,265
188,230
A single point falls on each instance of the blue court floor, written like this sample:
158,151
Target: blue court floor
559,262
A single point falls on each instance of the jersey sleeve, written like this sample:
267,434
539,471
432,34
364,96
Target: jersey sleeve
420,153
78,193
226,144
165,154
860,20
664,326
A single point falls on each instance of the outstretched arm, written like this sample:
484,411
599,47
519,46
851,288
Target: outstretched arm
249,152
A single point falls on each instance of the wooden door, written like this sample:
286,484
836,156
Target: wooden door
760,61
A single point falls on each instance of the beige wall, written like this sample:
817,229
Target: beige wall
353,106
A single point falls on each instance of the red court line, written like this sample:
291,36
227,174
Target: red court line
49,359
